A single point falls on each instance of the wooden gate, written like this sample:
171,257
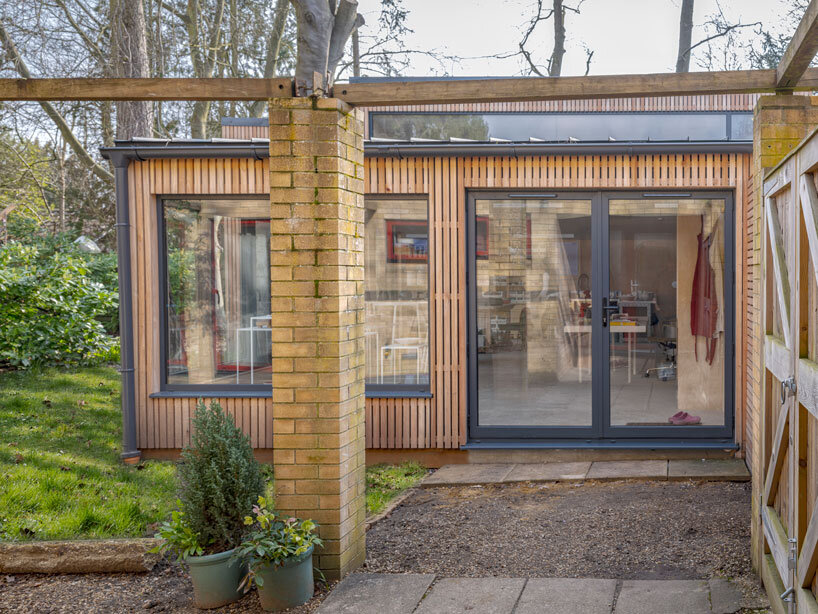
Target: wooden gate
789,495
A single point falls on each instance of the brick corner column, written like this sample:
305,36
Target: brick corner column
317,306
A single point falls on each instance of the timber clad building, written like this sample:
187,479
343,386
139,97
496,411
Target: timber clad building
536,275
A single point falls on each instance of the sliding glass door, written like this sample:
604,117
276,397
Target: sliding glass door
596,316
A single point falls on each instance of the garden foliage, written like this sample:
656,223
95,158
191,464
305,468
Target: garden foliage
53,302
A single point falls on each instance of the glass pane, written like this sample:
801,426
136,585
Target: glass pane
397,292
667,329
534,312
218,275
711,126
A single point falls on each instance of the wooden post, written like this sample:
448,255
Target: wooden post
317,304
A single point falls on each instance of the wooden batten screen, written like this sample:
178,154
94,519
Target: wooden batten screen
789,404
440,422
165,422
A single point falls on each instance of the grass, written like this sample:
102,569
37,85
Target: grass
60,473
385,482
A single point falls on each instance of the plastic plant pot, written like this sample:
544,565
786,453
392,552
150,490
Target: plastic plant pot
287,585
215,579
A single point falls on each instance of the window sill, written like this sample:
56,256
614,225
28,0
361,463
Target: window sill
398,394
210,394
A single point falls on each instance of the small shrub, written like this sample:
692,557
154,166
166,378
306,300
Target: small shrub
219,479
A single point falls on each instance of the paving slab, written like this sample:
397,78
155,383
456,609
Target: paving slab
548,472
712,469
376,593
472,595
468,474
624,470
725,597
567,596
663,597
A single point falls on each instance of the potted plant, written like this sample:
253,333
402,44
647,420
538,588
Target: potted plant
219,482
278,552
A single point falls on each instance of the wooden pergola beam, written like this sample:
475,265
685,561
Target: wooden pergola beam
145,89
564,88
801,50
409,92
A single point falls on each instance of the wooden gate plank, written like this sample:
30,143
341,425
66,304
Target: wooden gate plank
779,452
808,385
777,358
781,277
776,538
808,557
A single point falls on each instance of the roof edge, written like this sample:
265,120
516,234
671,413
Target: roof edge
125,151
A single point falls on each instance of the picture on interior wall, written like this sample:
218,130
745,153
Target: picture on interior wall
482,237
407,241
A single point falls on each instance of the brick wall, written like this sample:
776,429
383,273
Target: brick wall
317,290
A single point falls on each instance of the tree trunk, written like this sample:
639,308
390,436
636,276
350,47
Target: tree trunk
282,10
685,36
129,55
203,65
555,65
323,31
356,55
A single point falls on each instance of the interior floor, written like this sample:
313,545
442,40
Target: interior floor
508,396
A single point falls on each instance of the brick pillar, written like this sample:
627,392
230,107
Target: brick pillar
780,122
317,272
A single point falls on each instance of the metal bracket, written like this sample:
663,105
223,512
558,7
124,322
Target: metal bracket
788,596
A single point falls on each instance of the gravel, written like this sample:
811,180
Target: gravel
624,530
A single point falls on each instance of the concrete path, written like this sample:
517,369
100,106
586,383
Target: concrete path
371,593
721,470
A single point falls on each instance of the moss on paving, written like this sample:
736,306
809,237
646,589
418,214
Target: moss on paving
385,482
60,473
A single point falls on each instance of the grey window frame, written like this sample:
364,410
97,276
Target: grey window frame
601,433
167,390
405,391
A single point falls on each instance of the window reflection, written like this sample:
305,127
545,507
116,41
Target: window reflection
397,293
218,292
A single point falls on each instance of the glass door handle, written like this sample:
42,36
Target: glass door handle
607,309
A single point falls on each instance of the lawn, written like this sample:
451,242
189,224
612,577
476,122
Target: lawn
60,473
385,482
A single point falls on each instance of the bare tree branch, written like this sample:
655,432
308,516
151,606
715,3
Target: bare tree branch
51,111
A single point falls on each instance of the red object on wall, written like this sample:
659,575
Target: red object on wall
704,302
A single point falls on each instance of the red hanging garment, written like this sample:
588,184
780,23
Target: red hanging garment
704,303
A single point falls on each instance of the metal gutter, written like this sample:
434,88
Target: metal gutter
260,149
399,150
130,452
222,148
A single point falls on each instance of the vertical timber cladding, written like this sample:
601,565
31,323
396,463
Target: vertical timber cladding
440,422
164,423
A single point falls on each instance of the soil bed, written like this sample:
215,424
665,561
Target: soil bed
165,589
624,530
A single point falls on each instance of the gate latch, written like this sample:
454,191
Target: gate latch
788,388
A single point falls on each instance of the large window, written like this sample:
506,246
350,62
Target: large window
397,295
216,268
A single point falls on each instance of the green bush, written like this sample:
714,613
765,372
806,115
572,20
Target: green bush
50,307
219,479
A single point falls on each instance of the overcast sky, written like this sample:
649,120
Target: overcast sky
627,36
